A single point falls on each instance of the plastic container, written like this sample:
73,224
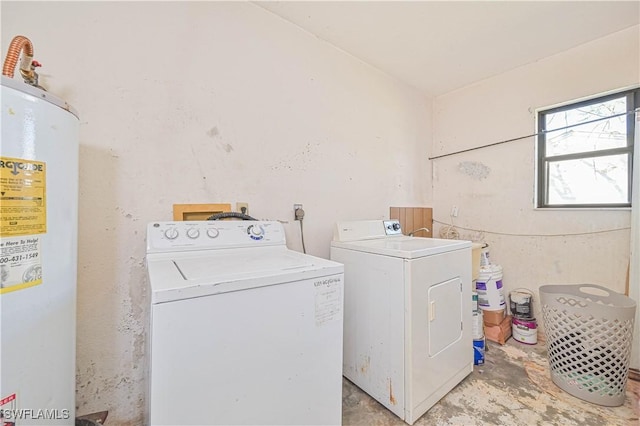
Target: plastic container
520,303
489,288
589,330
478,351
524,330
477,325
484,256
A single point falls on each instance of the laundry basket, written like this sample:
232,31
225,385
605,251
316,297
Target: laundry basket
588,330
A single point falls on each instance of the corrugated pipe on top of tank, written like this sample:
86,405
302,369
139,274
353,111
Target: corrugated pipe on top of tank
27,64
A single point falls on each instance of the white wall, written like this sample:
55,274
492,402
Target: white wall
494,187
208,102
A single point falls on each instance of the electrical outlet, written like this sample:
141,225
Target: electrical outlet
454,211
298,212
241,206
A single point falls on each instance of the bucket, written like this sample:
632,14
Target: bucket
489,288
524,330
477,325
520,301
478,351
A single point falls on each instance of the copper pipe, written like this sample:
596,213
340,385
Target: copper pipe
19,43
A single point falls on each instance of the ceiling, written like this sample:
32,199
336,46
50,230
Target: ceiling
440,46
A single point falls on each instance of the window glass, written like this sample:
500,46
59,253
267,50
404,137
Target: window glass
592,136
589,180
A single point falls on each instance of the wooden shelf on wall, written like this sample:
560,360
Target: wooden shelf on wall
198,211
412,218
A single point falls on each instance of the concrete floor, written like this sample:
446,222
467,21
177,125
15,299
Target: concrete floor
512,388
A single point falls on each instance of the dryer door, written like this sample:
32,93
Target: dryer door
444,305
439,346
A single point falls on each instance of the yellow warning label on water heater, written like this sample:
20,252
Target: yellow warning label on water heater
23,207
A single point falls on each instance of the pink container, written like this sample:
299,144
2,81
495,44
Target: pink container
524,330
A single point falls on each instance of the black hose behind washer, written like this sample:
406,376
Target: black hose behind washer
225,215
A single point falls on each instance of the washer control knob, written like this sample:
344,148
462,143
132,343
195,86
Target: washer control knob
193,233
212,232
256,230
395,226
171,233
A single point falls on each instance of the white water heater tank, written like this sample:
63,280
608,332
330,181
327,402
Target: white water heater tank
38,256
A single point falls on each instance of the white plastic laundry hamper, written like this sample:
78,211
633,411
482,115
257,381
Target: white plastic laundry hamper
588,340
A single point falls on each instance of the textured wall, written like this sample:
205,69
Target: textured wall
494,187
208,102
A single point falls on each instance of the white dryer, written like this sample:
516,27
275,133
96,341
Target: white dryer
242,330
407,319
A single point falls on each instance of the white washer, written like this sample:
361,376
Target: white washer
242,329
407,320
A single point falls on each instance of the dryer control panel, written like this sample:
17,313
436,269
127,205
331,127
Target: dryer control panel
392,227
212,234
366,229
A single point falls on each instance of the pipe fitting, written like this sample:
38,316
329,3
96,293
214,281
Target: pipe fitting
27,64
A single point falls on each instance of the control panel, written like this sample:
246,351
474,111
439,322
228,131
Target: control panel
366,229
392,227
212,234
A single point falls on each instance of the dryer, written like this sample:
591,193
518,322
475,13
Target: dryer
407,314
242,330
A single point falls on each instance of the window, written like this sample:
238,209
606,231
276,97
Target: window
585,152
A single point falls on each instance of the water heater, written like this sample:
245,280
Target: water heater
38,256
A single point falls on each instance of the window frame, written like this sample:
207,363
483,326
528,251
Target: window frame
542,160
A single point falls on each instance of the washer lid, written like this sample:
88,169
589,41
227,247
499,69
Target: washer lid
230,265
404,247
177,276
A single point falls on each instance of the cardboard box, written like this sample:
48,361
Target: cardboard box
476,249
499,333
493,317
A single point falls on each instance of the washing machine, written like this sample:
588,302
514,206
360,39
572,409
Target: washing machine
407,314
242,330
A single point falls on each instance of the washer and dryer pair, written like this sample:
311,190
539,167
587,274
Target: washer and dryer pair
245,331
